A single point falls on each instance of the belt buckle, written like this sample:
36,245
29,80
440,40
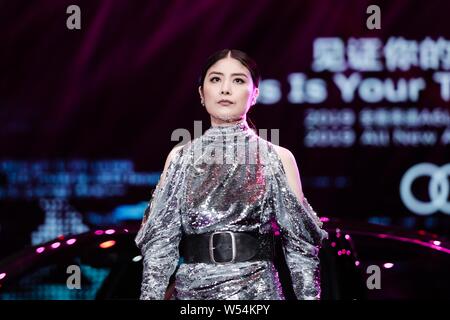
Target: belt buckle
211,247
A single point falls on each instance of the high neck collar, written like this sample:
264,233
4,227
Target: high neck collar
240,127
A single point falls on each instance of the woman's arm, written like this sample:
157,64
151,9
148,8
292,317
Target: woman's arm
300,227
160,232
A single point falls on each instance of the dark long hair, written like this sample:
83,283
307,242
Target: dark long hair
239,55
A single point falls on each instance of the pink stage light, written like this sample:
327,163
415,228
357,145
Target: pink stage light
71,241
55,245
40,249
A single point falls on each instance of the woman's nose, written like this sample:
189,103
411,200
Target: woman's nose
225,88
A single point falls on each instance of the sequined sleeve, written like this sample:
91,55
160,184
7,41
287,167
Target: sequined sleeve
302,234
160,233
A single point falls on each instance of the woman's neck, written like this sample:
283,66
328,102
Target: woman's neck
216,122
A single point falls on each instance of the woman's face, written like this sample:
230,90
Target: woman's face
228,91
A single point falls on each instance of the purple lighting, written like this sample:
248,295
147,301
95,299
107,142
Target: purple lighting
98,232
275,227
55,245
415,241
388,265
40,249
110,231
71,241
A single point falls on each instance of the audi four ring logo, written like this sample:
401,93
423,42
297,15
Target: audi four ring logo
438,188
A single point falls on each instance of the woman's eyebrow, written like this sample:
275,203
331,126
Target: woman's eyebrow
233,74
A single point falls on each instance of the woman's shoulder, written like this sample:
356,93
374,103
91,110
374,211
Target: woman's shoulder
276,153
175,150
172,155
290,169
286,156
282,152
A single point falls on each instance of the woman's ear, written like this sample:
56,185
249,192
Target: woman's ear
202,100
255,96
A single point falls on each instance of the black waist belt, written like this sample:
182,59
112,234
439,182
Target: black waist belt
226,247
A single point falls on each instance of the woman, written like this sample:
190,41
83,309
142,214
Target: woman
217,199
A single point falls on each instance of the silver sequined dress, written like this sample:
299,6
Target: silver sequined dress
228,179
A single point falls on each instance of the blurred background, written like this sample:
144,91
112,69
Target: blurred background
87,114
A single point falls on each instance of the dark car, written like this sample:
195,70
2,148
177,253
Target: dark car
357,262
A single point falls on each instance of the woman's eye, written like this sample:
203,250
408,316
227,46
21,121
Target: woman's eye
239,80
